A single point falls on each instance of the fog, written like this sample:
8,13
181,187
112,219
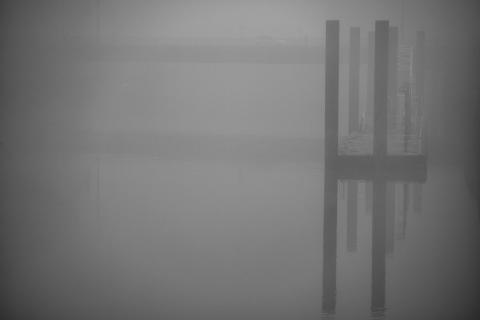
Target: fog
180,159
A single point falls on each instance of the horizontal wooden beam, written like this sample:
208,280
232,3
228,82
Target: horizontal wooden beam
411,168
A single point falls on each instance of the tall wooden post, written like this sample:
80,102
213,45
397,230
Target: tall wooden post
381,87
332,48
419,73
354,79
419,78
370,79
392,78
407,119
332,51
370,108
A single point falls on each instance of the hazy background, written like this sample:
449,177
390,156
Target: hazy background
143,176
52,84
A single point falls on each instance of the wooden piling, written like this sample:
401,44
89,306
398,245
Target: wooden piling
381,87
370,80
419,73
332,51
354,80
392,78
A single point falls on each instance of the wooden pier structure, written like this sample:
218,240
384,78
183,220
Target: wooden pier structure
381,153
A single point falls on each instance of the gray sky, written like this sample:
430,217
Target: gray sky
229,18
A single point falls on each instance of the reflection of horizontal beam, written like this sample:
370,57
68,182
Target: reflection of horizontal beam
393,168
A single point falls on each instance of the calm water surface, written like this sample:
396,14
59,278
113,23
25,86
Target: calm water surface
129,235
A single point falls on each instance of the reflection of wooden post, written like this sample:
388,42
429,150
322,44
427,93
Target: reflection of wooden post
392,77
329,242
406,202
378,246
380,94
352,197
390,217
332,49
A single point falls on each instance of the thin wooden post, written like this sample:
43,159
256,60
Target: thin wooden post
380,94
407,119
370,80
419,73
332,51
354,79
392,77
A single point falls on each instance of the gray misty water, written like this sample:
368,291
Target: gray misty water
133,236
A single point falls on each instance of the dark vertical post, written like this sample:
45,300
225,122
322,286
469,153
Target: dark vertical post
392,77
407,119
380,94
402,31
370,79
378,246
331,145
419,73
354,79
332,50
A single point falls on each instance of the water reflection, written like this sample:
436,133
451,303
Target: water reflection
384,198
